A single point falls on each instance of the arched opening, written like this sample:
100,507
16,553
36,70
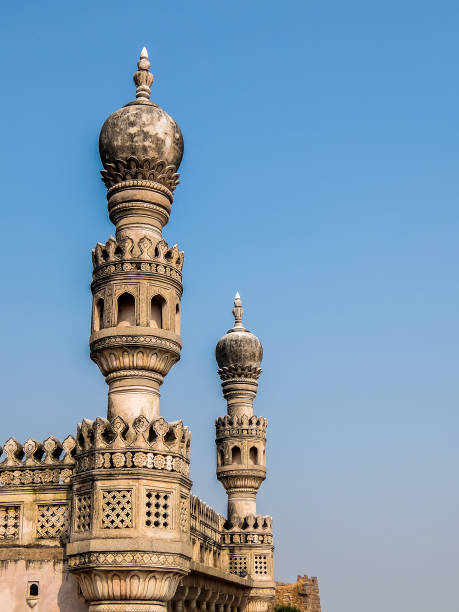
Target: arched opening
253,455
33,590
99,315
126,310
177,318
236,455
220,458
157,312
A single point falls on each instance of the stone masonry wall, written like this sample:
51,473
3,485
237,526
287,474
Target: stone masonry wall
302,594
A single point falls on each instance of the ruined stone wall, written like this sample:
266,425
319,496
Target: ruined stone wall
302,594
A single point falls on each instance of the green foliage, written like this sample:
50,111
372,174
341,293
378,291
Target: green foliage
286,609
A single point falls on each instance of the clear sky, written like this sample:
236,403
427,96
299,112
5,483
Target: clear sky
320,179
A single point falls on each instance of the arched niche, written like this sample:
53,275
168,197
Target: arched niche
158,313
236,456
126,310
99,315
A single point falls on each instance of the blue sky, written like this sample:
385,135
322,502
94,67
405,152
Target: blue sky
320,180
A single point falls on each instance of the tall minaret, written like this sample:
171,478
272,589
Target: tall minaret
136,284
241,437
129,543
241,462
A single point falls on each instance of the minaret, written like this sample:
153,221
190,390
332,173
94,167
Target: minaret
241,463
241,436
129,543
136,284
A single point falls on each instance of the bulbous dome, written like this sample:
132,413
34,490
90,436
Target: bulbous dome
239,348
141,129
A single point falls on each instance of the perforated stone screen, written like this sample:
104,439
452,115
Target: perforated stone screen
9,521
260,565
83,512
158,509
238,564
52,520
116,509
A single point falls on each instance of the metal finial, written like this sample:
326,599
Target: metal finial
238,311
143,77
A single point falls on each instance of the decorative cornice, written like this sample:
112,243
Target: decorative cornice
149,169
129,559
37,476
121,353
128,340
241,481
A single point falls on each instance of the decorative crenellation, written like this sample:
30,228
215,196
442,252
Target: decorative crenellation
247,539
155,445
36,463
150,169
156,435
251,530
252,523
129,255
229,426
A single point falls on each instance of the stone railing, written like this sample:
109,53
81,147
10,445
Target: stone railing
205,521
36,463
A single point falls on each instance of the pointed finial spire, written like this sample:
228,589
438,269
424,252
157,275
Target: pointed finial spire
238,311
143,77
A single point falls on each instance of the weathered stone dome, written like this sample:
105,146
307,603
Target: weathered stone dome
141,129
239,348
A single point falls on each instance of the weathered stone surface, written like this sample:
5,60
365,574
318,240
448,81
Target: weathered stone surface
141,130
302,594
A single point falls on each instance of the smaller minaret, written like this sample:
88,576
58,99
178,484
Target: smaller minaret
241,436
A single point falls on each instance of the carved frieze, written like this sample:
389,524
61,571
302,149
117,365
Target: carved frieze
129,558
